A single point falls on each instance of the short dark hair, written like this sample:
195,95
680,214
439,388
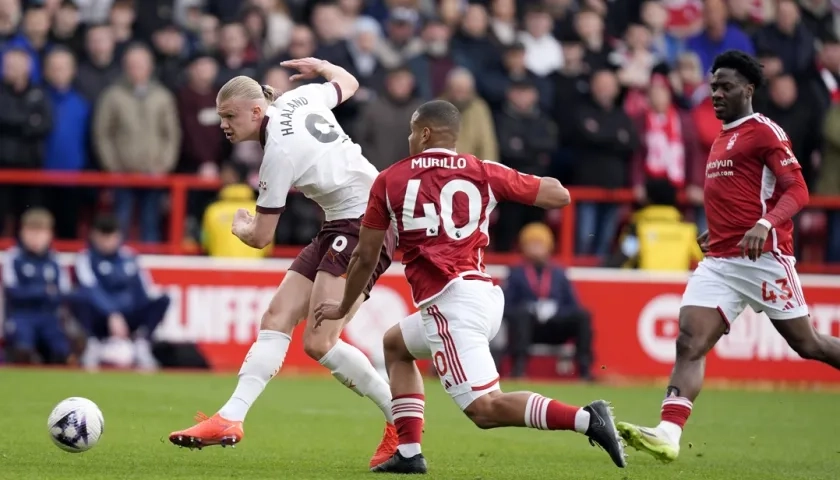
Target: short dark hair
105,223
743,63
439,113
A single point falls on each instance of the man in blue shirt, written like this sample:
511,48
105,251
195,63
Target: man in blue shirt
34,285
540,303
718,36
115,302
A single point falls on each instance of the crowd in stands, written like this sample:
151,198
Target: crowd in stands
601,93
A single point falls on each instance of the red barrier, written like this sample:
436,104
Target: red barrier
179,185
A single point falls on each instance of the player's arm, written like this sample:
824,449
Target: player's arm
512,185
256,231
343,82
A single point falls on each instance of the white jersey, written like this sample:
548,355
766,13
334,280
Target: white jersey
305,148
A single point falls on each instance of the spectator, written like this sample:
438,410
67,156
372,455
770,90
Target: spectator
278,77
208,34
718,35
823,90
254,20
278,26
34,286
670,150
543,55
789,39
527,140
234,59
301,45
383,125
478,136
115,302
828,182
432,67
9,18
751,15
121,20
687,80
332,30
540,303
25,122
571,85
67,143
503,27
590,27
666,47
494,83
563,15
99,69
797,118
473,42
216,237
819,18
657,237
364,61
33,39
93,12
635,60
400,44
685,17
170,47
604,140
136,131
65,28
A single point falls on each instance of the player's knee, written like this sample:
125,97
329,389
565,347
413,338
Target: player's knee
689,346
316,346
393,345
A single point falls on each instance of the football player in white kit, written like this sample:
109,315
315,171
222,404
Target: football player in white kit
304,148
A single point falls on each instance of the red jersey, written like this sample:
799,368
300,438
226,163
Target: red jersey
441,202
747,157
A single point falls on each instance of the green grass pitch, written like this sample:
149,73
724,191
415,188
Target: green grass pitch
313,428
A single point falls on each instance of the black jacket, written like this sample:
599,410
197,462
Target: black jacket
526,141
25,121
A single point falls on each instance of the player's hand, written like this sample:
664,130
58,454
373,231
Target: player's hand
328,310
117,326
703,241
752,245
308,67
241,221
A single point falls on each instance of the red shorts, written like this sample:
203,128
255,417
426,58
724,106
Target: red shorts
332,247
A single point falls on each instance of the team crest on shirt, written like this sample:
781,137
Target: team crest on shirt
732,141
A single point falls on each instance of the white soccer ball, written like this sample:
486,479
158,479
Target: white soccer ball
76,424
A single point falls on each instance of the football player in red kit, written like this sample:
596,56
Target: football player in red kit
753,188
440,202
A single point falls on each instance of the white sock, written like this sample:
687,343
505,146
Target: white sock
262,362
582,421
406,407
353,369
672,430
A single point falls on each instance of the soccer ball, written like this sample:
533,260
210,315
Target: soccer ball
76,424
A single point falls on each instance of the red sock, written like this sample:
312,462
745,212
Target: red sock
408,417
547,414
676,410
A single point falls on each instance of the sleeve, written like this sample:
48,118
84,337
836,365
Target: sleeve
512,185
777,154
776,151
378,214
93,293
277,177
328,94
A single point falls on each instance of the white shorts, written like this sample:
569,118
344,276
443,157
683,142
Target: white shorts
770,285
454,330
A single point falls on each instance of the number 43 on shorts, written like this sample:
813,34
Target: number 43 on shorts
768,293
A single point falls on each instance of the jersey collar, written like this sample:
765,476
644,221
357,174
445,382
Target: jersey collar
440,150
740,121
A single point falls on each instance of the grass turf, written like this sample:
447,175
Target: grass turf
312,428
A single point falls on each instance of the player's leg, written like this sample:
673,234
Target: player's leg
347,363
708,305
782,299
21,335
142,323
263,360
402,344
54,339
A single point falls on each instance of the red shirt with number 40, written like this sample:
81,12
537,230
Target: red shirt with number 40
441,203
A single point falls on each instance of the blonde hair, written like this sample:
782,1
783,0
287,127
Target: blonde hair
537,232
246,88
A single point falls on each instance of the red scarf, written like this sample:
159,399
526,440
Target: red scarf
830,82
665,148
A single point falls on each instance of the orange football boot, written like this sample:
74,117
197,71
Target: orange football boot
387,447
209,431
